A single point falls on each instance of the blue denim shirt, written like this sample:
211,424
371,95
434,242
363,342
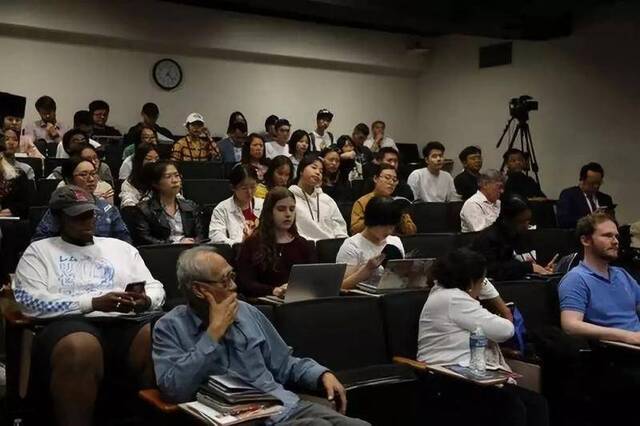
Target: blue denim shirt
184,355
109,224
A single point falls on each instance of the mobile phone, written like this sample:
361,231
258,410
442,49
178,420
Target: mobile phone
137,287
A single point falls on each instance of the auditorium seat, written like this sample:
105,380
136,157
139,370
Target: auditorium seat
207,211
428,245
537,300
327,250
161,260
346,334
464,239
436,217
36,164
52,163
201,170
409,153
52,149
35,216
549,241
401,313
543,213
345,209
44,189
206,191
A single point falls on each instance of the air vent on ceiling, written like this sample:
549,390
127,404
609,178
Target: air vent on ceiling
495,55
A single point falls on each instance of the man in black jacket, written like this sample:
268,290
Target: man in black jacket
149,114
517,182
467,181
579,201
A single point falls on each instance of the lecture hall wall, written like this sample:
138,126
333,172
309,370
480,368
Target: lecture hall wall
587,83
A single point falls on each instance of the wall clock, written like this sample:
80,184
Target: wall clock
167,74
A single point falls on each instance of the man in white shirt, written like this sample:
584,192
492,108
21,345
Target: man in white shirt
280,146
483,208
321,138
377,139
82,282
48,128
432,184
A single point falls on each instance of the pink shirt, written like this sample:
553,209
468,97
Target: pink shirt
27,146
39,131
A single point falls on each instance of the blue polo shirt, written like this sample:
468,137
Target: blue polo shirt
611,302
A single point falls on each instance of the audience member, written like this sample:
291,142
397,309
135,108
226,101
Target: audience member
279,173
584,199
254,155
298,147
363,252
78,281
12,146
280,145
236,117
134,187
82,122
186,342
149,114
466,182
347,151
270,134
321,138
231,146
317,215
504,246
146,135
363,156
599,301
390,156
432,184
274,247
235,219
73,142
517,182
451,313
14,191
165,217
386,180
80,173
482,209
12,109
99,110
104,171
48,128
197,145
335,182
377,139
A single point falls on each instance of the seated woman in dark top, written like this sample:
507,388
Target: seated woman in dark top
335,182
266,257
504,243
14,190
166,217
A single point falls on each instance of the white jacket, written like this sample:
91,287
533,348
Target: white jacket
227,221
317,215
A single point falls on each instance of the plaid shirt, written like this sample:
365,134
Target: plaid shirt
187,149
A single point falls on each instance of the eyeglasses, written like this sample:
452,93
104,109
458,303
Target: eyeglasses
86,175
388,178
225,282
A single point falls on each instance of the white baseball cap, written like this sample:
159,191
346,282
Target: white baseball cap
193,117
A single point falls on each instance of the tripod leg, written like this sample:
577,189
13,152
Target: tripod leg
534,159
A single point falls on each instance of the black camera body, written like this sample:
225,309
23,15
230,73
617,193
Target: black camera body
519,108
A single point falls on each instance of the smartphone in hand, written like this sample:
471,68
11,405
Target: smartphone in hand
137,287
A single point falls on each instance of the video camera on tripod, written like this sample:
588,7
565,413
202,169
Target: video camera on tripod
519,109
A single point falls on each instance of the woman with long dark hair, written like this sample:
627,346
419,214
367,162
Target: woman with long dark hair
298,147
134,188
269,253
165,217
254,155
279,173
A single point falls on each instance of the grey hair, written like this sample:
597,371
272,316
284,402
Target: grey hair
489,176
190,268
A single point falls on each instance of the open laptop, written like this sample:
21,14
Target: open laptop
311,281
401,274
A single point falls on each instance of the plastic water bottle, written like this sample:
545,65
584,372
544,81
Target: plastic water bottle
478,344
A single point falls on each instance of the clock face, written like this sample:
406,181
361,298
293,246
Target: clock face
167,74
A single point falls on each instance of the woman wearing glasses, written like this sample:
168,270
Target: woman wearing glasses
385,181
165,217
82,173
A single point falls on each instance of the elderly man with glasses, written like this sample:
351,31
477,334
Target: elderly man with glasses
217,334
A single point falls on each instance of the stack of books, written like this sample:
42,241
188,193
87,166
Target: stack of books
227,400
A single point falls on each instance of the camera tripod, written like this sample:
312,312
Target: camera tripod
526,144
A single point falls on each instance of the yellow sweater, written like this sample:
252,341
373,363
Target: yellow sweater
406,227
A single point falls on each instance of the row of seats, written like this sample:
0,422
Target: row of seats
161,258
